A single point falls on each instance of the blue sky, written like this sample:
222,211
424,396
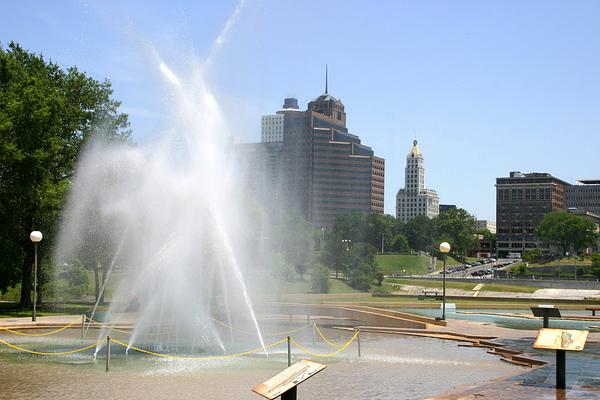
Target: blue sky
488,87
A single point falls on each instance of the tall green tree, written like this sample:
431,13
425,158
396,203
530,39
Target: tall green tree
420,233
379,228
351,226
567,230
47,114
399,244
457,227
362,268
335,253
295,238
319,279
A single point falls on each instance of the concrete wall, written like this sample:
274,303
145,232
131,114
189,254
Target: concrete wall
541,283
361,315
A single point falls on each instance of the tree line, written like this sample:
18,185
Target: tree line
47,115
351,244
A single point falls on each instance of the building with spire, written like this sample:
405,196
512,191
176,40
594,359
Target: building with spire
415,199
318,167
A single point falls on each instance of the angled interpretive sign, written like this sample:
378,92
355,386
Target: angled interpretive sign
288,379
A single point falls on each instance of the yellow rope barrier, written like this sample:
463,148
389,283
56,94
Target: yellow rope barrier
335,345
310,353
108,326
264,334
206,358
44,353
198,358
40,334
222,323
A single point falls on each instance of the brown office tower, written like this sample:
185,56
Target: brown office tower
522,201
325,171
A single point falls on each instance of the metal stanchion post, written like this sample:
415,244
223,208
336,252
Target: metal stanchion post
107,353
358,340
561,369
289,351
82,325
290,394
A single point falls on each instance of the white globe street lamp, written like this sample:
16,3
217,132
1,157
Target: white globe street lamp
444,249
35,237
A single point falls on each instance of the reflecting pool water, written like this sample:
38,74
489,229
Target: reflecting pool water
492,316
391,367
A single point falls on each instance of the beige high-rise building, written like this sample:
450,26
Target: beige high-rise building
415,199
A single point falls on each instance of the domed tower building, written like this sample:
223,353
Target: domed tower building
414,199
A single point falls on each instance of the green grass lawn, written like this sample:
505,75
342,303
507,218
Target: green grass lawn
11,310
408,264
449,262
52,292
493,287
566,261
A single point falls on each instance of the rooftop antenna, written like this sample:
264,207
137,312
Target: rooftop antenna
325,78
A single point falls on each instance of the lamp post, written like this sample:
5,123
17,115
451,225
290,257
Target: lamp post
35,237
444,249
322,237
347,241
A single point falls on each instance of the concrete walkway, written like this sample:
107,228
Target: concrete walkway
583,379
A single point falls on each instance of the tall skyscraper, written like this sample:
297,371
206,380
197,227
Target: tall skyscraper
522,201
415,199
322,169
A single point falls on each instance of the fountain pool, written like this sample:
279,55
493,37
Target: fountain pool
390,368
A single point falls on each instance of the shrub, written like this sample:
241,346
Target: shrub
532,255
379,276
70,283
360,280
319,279
596,265
522,269
279,268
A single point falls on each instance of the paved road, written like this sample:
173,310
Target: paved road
494,265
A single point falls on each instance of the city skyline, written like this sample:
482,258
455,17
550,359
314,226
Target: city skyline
498,94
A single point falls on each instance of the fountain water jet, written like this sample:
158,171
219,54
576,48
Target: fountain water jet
176,208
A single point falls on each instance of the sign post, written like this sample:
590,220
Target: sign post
545,311
561,340
285,383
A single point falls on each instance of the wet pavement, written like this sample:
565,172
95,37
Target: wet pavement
583,377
